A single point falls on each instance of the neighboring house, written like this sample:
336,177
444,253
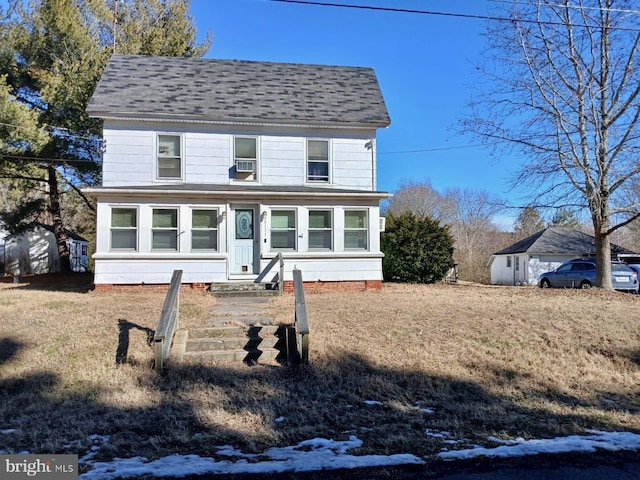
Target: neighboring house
523,262
36,252
216,166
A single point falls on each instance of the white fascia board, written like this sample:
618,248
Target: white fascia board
238,123
230,194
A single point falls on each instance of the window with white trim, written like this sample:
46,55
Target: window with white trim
356,230
509,261
204,229
318,160
245,154
320,230
283,230
164,229
169,156
124,228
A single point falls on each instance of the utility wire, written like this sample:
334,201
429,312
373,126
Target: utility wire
436,149
448,14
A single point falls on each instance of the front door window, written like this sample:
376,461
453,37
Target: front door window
244,224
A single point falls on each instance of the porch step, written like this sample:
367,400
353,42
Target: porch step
226,344
220,289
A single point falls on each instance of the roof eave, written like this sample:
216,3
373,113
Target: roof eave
103,115
230,194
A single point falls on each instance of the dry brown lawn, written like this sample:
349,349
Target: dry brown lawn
472,361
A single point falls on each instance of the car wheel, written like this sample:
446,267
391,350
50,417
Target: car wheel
544,283
585,284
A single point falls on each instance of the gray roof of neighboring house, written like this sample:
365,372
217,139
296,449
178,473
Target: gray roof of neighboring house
136,86
559,241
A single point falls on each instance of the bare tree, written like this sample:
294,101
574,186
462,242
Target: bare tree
469,214
417,197
562,90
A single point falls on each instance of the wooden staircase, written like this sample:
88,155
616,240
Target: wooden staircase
230,343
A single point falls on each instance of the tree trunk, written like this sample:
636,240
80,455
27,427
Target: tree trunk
603,259
56,214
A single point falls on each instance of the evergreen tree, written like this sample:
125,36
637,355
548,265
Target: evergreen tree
564,218
416,249
528,222
52,55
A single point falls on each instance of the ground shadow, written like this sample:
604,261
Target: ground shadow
9,348
54,282
124,334
195,409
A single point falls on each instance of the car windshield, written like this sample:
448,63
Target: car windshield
618,267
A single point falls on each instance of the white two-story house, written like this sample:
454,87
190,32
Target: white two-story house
216,166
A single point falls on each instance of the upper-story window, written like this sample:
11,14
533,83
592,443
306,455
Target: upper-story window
246,157
318,160
169,156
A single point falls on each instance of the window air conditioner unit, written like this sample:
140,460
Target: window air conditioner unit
245,166
383,223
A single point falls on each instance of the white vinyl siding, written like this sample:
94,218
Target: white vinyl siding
124,228
204,230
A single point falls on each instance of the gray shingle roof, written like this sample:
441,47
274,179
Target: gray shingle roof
560,241
240,91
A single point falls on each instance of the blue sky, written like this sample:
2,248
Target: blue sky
424,64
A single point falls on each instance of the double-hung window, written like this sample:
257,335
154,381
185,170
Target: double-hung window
245,157
164,229
356,229
204,229
318,160
320,230
169,157
283,230
124,228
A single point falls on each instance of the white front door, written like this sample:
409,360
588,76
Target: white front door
244,241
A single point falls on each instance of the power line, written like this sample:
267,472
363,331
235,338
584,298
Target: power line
447,14
436,149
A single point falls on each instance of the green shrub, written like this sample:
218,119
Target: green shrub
417,249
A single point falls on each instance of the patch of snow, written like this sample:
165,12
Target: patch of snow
610,441
428,410
372,402
8,431
310,455
280,419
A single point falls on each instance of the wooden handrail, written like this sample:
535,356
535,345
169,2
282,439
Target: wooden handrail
301,318
168,324
277,259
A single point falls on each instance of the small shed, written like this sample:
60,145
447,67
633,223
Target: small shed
36,252
523,262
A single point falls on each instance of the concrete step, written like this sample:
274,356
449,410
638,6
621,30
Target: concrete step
229,356
249,289
234,331
224,344
230,343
